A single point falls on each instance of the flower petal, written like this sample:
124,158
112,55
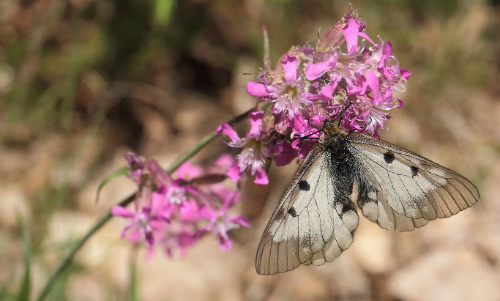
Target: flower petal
255,124
240,220
261,177
387,49
224,161
327,90
285,154
289,64
208,213
372,81
365,36
305,148
160,176
351,32
257,90
234,173
227,130
225,243
405,74
188,171
300,125
120,211
315,70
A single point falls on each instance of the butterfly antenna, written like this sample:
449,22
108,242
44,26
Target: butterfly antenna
341,115
325,124
311,134
312,125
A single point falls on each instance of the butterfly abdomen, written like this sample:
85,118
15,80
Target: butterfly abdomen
342,177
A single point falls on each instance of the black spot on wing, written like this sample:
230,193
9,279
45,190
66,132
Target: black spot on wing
389,157
303,185
292,212
414,171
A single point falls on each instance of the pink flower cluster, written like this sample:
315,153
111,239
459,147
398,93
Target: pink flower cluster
174,211
346,74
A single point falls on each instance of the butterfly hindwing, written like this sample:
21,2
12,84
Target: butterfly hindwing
402,190
314,221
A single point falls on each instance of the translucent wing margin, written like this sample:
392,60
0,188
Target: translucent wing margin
307,227
401,190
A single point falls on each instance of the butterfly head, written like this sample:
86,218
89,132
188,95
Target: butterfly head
331,129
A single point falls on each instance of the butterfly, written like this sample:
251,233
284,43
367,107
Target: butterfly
316,217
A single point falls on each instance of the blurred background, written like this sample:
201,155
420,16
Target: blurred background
82,82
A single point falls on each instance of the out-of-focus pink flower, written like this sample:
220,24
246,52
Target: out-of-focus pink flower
135,166
220,223
142,224
160,177
178,238
171,210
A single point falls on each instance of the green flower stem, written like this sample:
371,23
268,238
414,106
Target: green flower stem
67,260
106,217
192,151
203,142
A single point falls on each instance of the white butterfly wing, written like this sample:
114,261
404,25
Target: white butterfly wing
403,190
307,227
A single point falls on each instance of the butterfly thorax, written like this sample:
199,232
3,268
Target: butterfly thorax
336,145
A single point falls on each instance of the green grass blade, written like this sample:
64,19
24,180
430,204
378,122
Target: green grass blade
118,173
24,290
133,284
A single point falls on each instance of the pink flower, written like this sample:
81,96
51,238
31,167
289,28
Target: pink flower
288,95
177,237
142,226
177,192
171,209
160,177
253,155
188,171
220,223
313,86
135,166
283,152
